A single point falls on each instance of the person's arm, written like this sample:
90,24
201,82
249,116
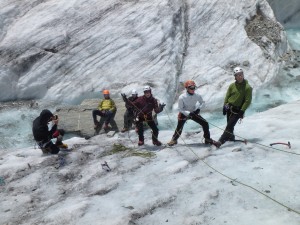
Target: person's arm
100,105
248,98
113,106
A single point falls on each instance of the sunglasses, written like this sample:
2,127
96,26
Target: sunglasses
239,74
192,87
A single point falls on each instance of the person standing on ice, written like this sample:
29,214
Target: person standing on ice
42,135
144,106
189,104
129,113
237,99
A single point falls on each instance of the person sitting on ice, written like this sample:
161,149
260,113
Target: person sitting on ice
43,136
107,111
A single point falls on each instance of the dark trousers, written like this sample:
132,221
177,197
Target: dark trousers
47,146
128,119
108,115
152,125
228,133
197,118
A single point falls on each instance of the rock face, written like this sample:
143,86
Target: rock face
78,119
69,50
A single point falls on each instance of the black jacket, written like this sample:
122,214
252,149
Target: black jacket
40,127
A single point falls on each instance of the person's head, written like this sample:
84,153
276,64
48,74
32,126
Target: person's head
134,93
105,94
147,91
238,74
46,116
190,86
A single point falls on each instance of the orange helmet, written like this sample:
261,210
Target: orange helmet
105,92
189,83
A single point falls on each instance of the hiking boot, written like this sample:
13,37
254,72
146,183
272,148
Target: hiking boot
231,138
217,144
208,141
172,142
62,145
106,127
157,143
212,142
141,143
124,130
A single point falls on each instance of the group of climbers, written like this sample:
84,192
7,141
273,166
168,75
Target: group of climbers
139,111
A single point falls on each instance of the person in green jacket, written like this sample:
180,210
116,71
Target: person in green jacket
237,100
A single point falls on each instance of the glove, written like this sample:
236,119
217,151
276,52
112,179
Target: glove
124,97
241,114
191,115
161,106
197,111
55,134
225,109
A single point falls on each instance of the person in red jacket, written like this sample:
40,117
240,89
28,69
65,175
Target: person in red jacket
144,106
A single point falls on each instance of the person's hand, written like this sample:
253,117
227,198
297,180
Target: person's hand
124,97
225,109
241,114
55,119
197,111
191,115
161,106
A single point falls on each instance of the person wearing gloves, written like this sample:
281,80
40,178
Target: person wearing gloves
144,106
189,104
237,100
42,135
129,113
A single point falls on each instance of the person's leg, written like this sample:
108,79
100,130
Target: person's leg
140,132
48,147
108,116
228,133
179,128
154,129
130,119
59,139
126,119
96,113
113,123
204,124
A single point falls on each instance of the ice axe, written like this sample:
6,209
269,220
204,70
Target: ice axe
281,143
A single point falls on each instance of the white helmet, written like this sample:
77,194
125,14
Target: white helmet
147,88
134,92
237,70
